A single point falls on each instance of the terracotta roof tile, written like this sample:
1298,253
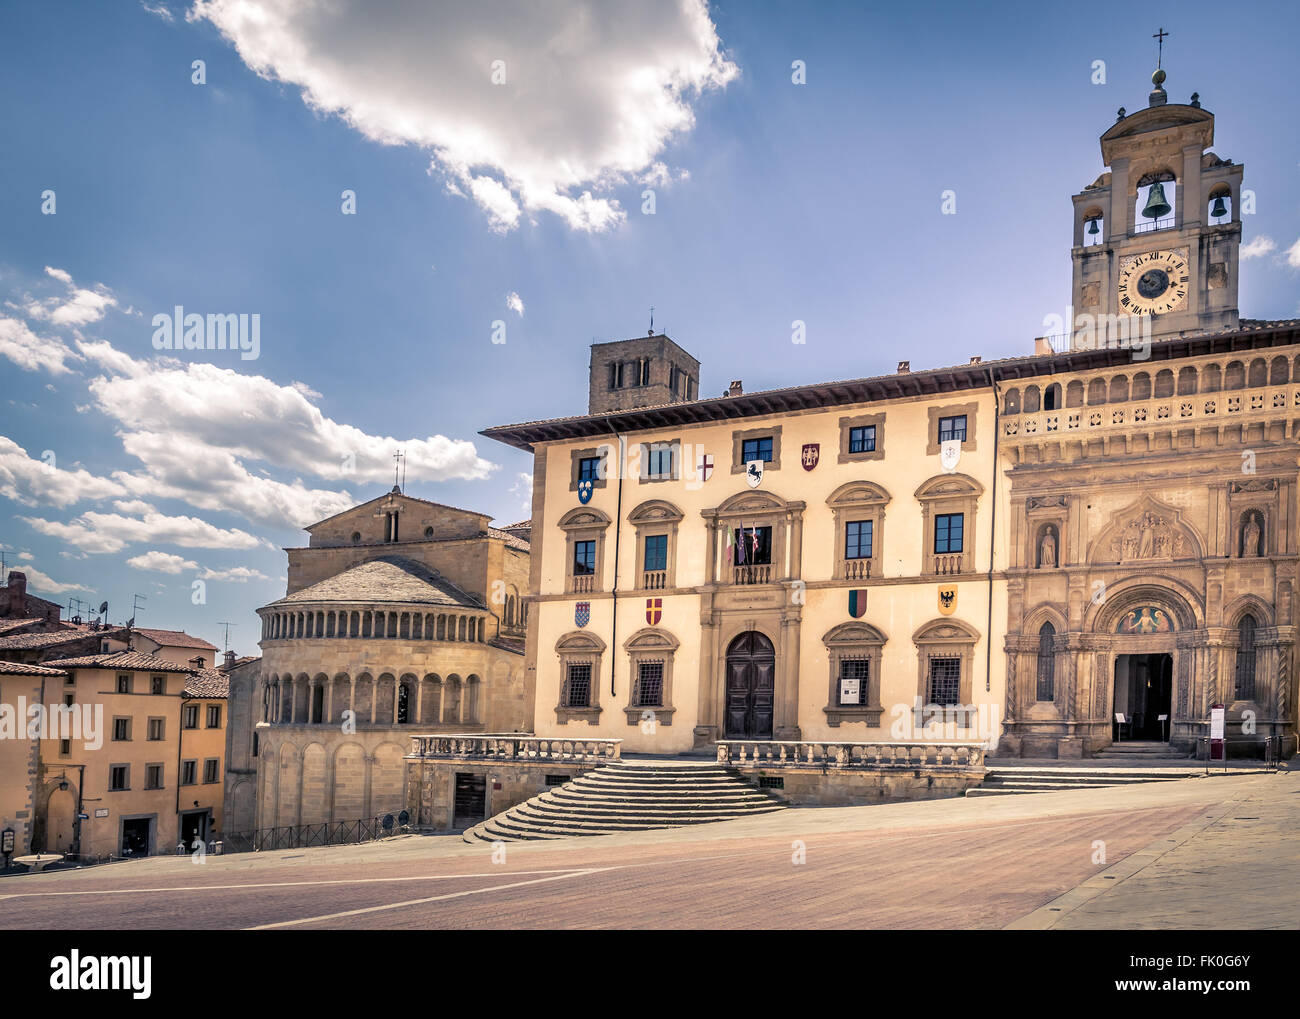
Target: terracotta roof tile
23,669
133,660
208,683
386,579
176,638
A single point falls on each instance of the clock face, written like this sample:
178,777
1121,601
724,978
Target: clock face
1154,283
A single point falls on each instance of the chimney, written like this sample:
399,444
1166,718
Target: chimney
976,359
197,661
737,388
17,594
904,366
230,661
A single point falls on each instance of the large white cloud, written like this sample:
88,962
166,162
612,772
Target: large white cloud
44,583
161,562
31,352
40,482
524,105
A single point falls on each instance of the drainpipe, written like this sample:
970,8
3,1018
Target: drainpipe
618,534
993,535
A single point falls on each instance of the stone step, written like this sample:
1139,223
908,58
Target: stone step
538,806
632,795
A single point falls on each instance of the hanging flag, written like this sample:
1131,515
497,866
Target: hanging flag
740,546
582,613
857,603
654,610
949,454
585,491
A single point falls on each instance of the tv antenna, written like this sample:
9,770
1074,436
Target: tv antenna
227,640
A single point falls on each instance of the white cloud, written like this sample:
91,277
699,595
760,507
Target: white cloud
79,308
593,91
112,532
157,9
161,562
522,489
133,507
1257,248
235,575
31,352
39,582
515,303
35,482
1293,255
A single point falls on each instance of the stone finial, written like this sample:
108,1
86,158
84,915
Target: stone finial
1196,100
1120,114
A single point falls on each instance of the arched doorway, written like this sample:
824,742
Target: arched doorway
751,687
60,820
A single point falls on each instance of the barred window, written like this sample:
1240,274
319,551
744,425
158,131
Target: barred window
579,686
650,685
1046,663
945,681
858,672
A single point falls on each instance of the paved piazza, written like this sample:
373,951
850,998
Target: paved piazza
1017,861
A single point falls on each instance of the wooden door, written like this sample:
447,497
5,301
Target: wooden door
751,687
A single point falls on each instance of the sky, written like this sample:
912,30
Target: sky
434,209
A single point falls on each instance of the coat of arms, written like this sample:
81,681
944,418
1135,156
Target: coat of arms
704,466
857,604
812,452
585,491
582,613
654,610
754,473
949,454
948,599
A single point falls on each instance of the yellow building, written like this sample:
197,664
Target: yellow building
805,563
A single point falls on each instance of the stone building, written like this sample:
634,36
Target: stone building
1096,542
402,616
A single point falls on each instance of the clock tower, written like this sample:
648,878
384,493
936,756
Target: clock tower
1157,235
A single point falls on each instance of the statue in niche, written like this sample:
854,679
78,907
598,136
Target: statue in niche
1047,549
1251,535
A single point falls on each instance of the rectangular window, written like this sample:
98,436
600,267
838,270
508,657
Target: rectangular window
157,727
579,686
119,777
65,747
857,539
158,684
153,776
210,770
650,686
952,428
589,468
945,682
255,744
190,717
659,460
121,729
214,716
672,379
854,676
616,375
756,449
948,533
124,683
189,772
752,546
862,440
656,552
584,558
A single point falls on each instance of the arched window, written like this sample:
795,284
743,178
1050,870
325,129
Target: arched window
1052,397
1046,663
403,704
1246,658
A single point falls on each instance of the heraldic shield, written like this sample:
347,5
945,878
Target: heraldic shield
585,491
654,610
582,614
948,599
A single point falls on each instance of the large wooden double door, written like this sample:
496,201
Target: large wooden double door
751,687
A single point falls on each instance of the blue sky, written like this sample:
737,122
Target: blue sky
121,473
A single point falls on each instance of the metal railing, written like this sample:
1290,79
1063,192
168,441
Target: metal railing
1271,745
303,836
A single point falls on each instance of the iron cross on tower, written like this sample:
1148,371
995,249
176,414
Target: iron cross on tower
1160,38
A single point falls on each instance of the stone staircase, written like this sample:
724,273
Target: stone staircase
1138,750
628,795
1005,780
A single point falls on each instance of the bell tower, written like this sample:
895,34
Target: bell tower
1158,234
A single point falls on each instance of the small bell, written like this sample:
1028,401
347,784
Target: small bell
1218,209
1156,205
1093,229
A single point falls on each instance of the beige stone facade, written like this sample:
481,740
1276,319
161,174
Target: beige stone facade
402,616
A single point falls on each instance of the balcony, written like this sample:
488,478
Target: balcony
583,583
942,565
757,573
855,569
654,580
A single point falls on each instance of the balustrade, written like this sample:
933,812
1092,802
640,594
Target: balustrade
785,753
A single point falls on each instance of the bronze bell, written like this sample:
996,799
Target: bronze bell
1218,209
1156,205
1093,229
